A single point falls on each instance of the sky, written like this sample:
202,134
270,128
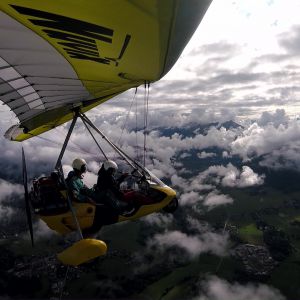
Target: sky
242,64
243,57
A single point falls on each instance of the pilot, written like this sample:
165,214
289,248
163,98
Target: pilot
80,192
108,188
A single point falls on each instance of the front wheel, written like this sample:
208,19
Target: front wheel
172,206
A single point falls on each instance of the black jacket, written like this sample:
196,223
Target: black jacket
106,181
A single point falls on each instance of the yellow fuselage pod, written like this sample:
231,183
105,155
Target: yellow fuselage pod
82,252
64,223
144,210
85,212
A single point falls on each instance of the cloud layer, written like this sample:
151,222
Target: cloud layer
218,289
193,245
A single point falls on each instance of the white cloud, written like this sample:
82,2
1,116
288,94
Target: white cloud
193,245
218,289
214,199
230,176
257,140
205,154
179,182
184,155
5,212
190,198
67,169
210,200
93,166
200,226
159,219
8,189
249,178
214,138
245,178
225,154
198,184
287,157
90,179
277,118
42,230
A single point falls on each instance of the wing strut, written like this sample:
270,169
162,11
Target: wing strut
58,163
127,158
58,167
88,129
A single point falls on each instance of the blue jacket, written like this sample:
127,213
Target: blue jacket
78,189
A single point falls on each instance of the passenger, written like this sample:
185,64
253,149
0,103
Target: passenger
108,188
78,189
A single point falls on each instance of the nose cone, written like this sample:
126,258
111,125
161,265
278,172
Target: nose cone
171,192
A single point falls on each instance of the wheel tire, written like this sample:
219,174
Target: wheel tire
172,206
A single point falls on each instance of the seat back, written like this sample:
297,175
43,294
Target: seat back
48,196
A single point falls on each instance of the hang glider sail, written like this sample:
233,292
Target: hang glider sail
59,55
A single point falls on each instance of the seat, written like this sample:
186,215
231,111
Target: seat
48,196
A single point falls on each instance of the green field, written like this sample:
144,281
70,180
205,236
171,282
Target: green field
122,272
250,234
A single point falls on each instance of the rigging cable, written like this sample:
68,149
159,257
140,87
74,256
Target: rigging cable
222,258
146,110
76,145
127,116
114,146
64,283
100,148
136,129
70,148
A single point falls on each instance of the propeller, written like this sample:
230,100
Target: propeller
26,194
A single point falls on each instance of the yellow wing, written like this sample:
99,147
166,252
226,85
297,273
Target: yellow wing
57,55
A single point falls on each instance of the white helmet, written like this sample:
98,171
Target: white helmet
79,164
110,164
